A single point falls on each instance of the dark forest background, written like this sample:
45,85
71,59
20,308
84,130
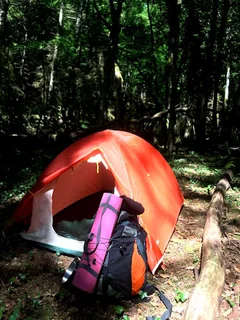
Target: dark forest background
166,70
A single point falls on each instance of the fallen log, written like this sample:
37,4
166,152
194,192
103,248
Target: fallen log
205,299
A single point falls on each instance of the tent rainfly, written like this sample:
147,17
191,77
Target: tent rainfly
68,192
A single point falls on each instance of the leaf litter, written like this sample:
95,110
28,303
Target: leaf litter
30,281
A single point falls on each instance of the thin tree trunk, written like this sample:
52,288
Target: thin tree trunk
225,104
226,95
82,14
173,16
219,62
206,79
55,52
4,5
193,36
119,93
44,92
153,53
110,57
5,62
24,51
204,301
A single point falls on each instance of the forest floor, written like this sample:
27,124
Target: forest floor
30,277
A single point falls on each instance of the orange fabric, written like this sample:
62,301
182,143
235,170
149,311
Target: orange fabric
140,172
138,268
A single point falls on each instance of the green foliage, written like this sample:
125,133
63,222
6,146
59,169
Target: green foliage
76,54
119,310
180,296
2,309
36,302
236,236
196,260
22,277
199,171
28,178
142,294
18,280
231,303
61,295
16,312
231,165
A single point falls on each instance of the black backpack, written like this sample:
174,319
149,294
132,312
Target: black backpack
124,271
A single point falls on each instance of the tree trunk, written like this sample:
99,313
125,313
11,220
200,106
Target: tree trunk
207,79
4,6
5,64
3,20
226,95
24,51
82,16
110,57
194,37
55,52
118,93
153,54
204,301
224,133
219,62
173,17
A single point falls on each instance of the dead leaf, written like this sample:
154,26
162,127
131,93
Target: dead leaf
154,304
170,282
164,275
227,313
189,268
230,276
237,268
163,267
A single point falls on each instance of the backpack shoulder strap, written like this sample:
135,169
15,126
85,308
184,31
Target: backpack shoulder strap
166,303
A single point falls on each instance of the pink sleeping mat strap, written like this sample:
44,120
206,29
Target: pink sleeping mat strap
97,243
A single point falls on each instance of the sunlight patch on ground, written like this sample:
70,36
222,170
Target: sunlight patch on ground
192,170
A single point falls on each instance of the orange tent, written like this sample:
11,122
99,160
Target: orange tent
109,160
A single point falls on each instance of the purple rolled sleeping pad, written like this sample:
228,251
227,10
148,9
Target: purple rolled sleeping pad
96,246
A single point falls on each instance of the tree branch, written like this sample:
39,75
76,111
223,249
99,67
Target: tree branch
107,24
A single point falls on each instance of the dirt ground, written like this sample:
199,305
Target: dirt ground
30,278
